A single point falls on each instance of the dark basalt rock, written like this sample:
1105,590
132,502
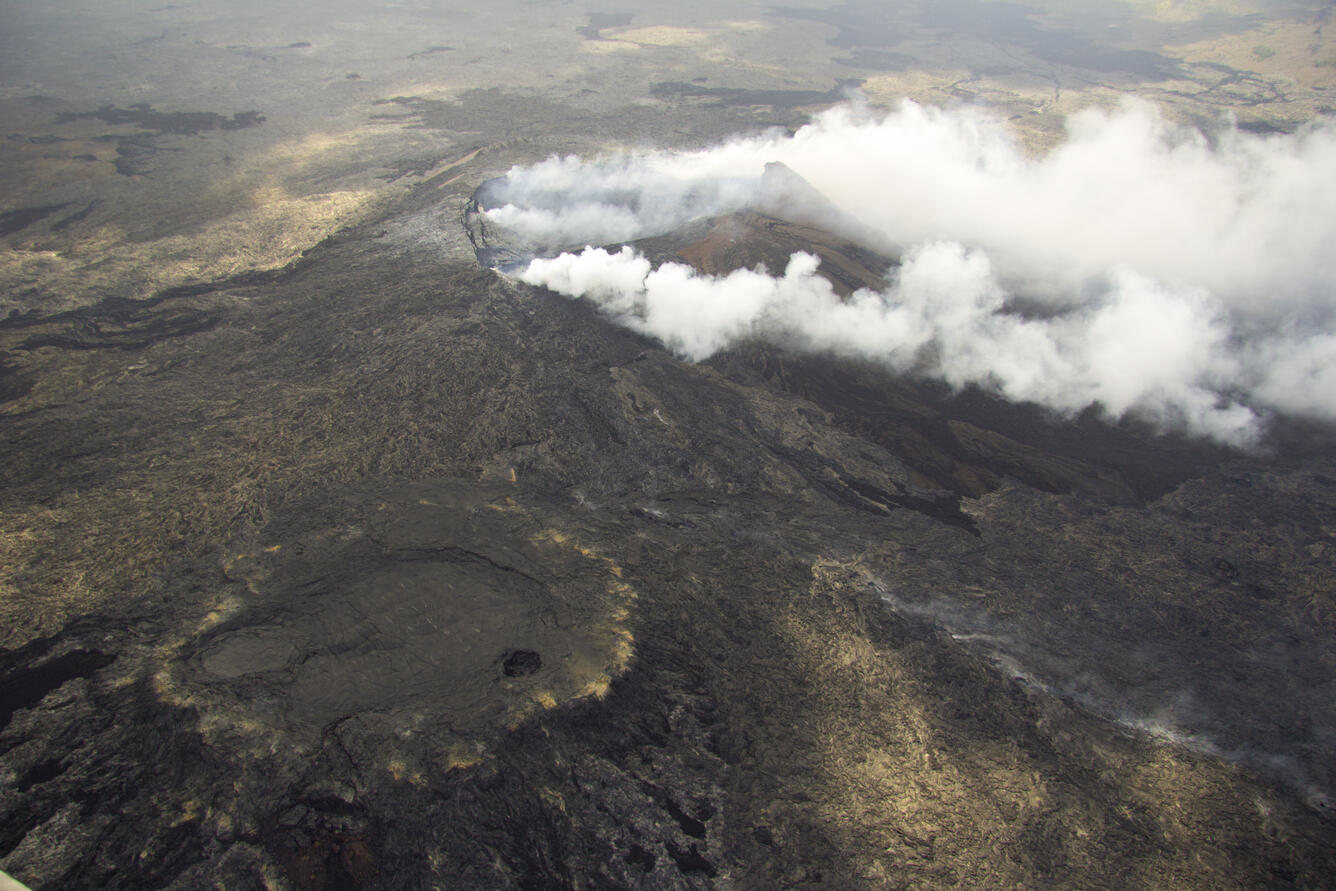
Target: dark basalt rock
180,123
675,91
135,152
13,383
518,663
26,686
16,220
600,20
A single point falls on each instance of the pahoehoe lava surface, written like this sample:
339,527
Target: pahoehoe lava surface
590,615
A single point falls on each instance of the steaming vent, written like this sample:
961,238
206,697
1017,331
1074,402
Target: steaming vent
1139,269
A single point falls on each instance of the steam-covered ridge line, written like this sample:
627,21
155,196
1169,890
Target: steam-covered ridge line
1179,278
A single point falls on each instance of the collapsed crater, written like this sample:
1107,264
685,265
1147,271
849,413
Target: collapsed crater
405,611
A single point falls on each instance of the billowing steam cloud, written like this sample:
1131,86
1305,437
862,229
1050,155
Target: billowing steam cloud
1186,279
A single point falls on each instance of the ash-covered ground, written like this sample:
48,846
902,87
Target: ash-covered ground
334,557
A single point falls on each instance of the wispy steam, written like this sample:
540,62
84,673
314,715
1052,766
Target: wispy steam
1185,279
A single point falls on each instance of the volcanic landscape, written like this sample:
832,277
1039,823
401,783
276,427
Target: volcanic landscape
347,542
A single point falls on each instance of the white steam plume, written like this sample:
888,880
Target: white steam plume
1184,279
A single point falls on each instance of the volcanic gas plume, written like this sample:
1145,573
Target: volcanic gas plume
1140,266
